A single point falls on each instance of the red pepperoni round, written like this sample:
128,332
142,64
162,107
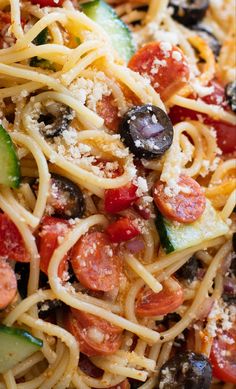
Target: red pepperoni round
150,304
165,65
123,385
95,263
184,207
8,284
95,336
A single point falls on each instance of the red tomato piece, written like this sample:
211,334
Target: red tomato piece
123,385
226,132
11,243
48,3
108,110
8,284
116,200
52,229
122,230
150,304
95,336
184,207
95,263
223,356
165,65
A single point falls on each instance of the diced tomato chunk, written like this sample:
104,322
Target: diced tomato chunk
122,230
226,132
116,200
223,356
11,242
48,3
150,304
95,263
184,207
52,230
95,336
165,65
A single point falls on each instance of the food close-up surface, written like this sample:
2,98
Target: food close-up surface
117,194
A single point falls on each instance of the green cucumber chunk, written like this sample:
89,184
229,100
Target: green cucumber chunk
15,346
120,35
41,39
179,236
10,166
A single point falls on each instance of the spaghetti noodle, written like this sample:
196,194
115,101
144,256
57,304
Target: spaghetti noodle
117,195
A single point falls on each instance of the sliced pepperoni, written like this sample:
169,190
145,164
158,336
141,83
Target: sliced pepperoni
95,263
150,304
95,336
165,65
8,284
11,243
52,230
184,207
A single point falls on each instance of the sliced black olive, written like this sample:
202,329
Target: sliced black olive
189,12
22,270
54,122
189,270
87,366
210,39
47,307
186,370
147,131
230,92
66,198
135,384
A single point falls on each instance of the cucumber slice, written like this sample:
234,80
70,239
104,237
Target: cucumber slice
16,345
178,236
105,16
10,166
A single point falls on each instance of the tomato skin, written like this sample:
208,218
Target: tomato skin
122,230
184,207
11,242
167,68
226,132
52,228
116,200
150,304
47,3
223,357
95,263
79,323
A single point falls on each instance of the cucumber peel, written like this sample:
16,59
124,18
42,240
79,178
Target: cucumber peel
119,33
179,236
16,345
10,166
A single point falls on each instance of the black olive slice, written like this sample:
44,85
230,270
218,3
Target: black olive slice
230,92
65,198
189,270
209,38
147,131
186,370
48,307
189,12
55,125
